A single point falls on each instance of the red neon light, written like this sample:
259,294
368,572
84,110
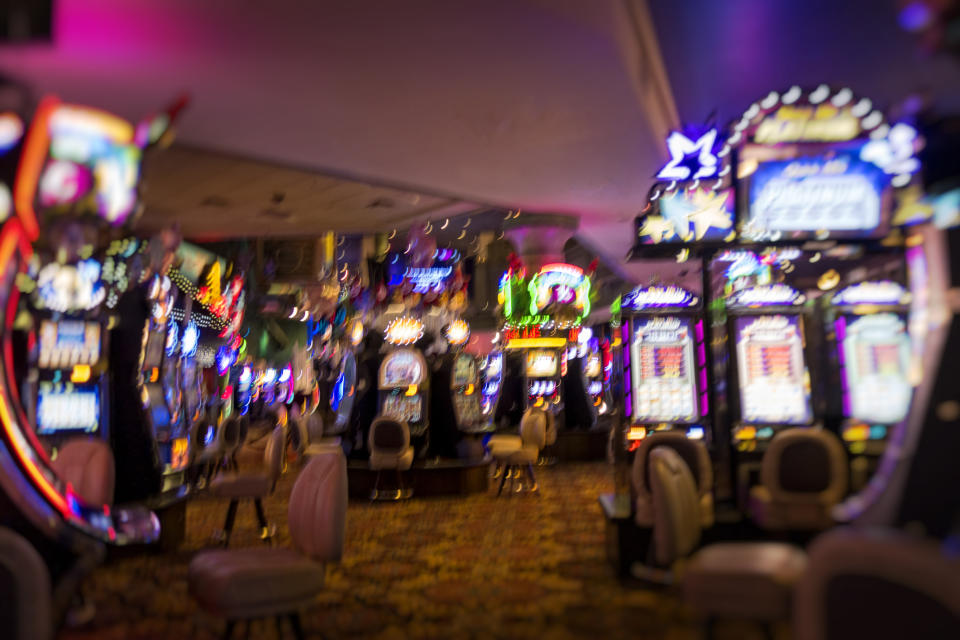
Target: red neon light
35,146
10,237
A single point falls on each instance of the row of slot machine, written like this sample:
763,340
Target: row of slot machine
790,305
260,387
444,399
769,361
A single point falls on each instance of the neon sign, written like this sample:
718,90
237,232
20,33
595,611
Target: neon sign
808,123
427,279
764,295
403,331
689,159
872,292
560,283
658,296
826,193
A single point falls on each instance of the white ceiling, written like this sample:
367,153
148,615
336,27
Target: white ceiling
546,105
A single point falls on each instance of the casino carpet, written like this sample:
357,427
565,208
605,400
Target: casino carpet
519,566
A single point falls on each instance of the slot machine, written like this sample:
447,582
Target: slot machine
664,362
543,369
69,380
593,377
283,390
244,391
492,381
160,392
771,380
873,352
268,386
464,389
191,378
404,381
343,394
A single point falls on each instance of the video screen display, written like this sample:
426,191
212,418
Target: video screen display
467,408
835,193
59,410
68,342
401,368
774,384
401,407
464,371
876,357
592,368
542,363
159,410
153,349
664,370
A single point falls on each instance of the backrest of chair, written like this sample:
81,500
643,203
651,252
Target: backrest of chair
26,610
551,428
533,427
877,584
805,465
314,426
87,464
273,454
318,507
230,438
676,525
388,435
693,452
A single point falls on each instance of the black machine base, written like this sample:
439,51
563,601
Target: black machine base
425,478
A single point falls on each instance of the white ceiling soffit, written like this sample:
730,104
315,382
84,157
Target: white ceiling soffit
546,105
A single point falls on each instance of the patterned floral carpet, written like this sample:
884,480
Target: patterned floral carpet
518,566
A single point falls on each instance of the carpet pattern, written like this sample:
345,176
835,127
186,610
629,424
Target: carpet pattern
518,566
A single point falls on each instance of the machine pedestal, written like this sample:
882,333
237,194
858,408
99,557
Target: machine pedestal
426,478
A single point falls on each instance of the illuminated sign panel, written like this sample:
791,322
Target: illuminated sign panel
806,196
664,371
876,358
697,215
808,123
541,363
658,296
873,292
766,295
772,373
560,284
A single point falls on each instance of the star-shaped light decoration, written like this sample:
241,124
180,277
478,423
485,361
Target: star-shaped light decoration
656,228
711,211
690,160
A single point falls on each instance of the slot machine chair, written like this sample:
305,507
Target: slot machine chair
312,441
27,607
87,465
264,582
803,476
208,459
251,486
389,442
880,584
693,452
731,580
514,460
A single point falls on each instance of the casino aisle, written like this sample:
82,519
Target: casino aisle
500,319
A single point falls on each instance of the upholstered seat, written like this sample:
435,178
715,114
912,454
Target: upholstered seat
251,486
264,582
389,442
26,608
504,443
247,583
312,439
803,476
87,465
744,580
736,580
514,459
241,485
693,452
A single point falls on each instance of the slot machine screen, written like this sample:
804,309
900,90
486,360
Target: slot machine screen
773,377
664,382
68,342
541,364
406,408
464,371
401,369
60,410
592,369
876,356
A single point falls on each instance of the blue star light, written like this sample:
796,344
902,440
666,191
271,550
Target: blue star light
690,160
